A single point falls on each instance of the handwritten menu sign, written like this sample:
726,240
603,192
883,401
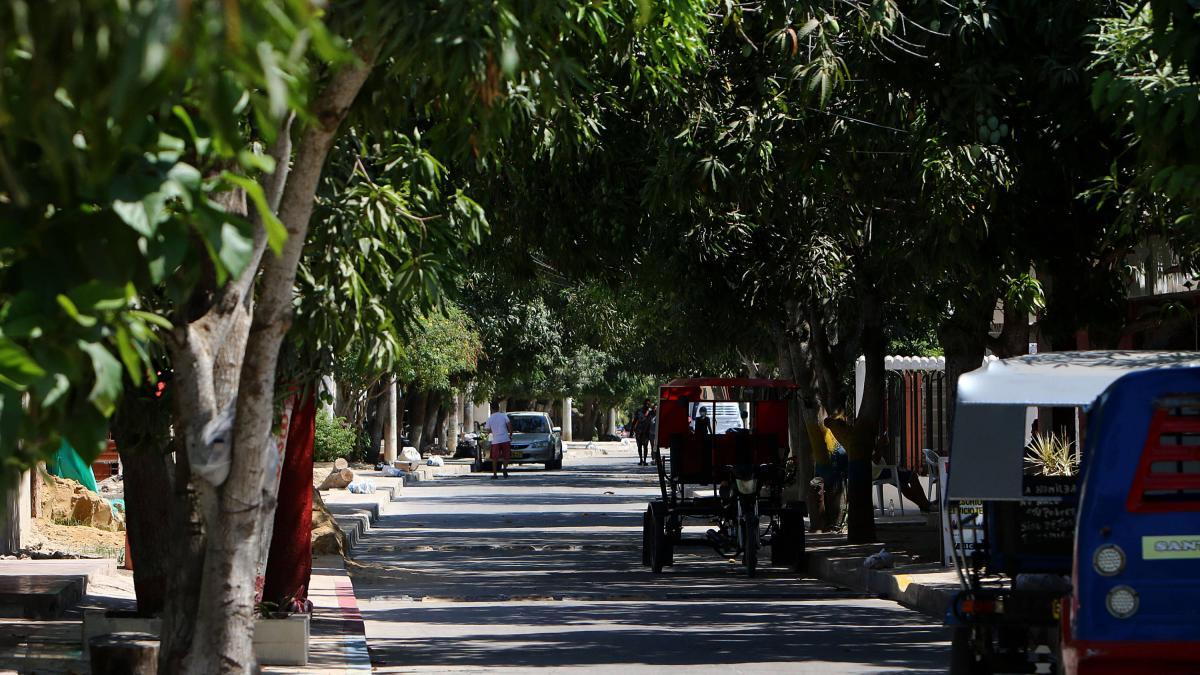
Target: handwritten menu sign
1047,522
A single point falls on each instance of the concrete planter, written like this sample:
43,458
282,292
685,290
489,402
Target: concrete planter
282,642
277,642
99,622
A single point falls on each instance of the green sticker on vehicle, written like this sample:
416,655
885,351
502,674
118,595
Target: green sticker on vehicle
1172,547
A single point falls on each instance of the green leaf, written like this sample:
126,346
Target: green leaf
129,354
136,216
236,249
256,161
151,318
107,389
100,297
276,232
17,368
73,312
51,390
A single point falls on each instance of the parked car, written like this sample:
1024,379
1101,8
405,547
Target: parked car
535,440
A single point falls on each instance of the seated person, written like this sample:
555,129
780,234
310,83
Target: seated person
910,485
744,428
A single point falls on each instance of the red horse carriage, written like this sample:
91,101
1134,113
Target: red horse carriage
721,449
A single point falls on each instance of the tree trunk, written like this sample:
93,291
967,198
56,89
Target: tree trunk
860,522
35,489
187,561
388,410
375,427
420,402
237,507
454,423
433,408
591,418
964,338
442,427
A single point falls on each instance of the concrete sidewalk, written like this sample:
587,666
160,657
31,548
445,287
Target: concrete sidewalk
916,581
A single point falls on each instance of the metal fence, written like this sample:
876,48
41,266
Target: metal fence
914,416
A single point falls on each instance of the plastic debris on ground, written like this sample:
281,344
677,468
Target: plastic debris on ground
880,561
361,487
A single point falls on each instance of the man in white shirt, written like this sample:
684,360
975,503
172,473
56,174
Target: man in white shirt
500,427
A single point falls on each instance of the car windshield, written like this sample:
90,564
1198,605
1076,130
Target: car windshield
529,424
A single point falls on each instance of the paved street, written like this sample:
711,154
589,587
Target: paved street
544,571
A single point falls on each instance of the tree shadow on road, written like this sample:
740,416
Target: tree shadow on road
678,634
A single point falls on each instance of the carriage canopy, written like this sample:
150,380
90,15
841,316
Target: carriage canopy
987,457
767,399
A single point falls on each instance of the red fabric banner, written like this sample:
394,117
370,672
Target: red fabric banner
289,564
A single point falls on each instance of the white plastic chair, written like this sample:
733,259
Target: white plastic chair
935,474
893,477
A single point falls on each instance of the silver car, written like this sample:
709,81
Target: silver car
535,440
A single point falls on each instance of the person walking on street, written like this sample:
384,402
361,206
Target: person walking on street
638,415
643,430
500,428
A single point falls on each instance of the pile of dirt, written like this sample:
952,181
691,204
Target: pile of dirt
76,540
66,502
327,537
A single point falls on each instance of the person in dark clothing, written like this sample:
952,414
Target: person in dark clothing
703,423
643,431
638,416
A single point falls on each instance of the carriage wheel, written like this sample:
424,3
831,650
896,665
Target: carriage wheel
750,542
661,546
647,536
787,544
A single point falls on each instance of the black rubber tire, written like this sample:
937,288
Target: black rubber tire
647,536
661,546
962,654
787,544
750,543
477,466
554,465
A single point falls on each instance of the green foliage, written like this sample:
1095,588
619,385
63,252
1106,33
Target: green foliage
112,162
441,353
1147,81
394,233
336,438
1052,454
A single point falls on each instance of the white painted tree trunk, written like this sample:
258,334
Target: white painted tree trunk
390,424
468,411
329,392
567,411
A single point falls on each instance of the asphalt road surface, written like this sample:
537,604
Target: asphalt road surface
543,571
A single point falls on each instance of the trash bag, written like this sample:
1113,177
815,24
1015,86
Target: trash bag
391,471
410,454
361,487
880,561
215,460
435,461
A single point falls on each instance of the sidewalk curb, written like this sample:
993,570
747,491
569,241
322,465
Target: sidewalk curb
895,584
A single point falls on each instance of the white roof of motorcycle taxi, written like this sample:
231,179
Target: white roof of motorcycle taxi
989,420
